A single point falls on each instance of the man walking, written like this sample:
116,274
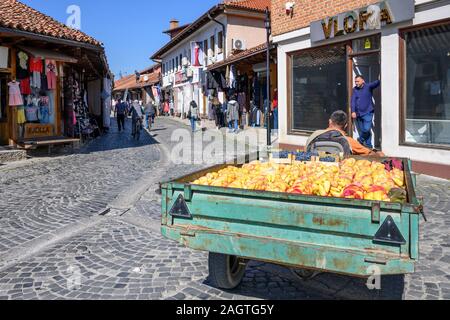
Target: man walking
120,111
363,109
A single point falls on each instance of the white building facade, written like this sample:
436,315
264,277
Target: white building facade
209,40
409,52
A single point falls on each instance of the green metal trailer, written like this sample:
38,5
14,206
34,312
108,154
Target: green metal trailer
317,234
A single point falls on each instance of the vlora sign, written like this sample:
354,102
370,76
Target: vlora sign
373,17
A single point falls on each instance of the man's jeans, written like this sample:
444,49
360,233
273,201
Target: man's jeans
121,122
146,124
364,125
275,119
193,123
236,125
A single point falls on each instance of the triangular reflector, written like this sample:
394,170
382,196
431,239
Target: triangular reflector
180,208
389,233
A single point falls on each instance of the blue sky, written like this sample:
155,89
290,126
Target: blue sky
131,30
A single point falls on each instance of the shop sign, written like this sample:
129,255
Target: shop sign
373,17
38,130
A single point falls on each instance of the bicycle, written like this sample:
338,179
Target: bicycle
137,129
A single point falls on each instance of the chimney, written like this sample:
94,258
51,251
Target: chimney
174,24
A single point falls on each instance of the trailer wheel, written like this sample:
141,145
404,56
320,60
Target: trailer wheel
225,271
304,274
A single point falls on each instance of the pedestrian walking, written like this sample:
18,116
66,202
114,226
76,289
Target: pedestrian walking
275,110
120,113
363,109
218,115
193,114
233,115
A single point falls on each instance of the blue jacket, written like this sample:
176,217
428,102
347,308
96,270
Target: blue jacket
362,98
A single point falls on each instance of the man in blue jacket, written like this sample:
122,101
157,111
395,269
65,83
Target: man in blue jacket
363,109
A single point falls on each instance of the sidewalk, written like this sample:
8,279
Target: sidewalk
11,155
244,136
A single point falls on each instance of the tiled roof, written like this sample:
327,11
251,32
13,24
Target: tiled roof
259,5
16,15
129,82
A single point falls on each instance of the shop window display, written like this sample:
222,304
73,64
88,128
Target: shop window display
32,95
428,86
319,87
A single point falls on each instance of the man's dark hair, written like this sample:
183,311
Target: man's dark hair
339,118
360,77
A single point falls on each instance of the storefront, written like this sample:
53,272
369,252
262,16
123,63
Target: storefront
52,83
245,75
405,44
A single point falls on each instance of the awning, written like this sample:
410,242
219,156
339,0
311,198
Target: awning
251,56
47,54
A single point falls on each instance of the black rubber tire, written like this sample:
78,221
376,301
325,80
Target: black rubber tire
225,272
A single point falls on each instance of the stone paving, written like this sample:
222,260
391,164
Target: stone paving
49,209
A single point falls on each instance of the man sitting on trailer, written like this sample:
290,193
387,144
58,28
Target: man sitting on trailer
336,134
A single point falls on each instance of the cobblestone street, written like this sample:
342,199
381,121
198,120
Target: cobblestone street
58,241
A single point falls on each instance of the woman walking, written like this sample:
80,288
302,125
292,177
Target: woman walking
233,115
193,114
218,115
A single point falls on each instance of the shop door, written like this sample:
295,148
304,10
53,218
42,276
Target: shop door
366,61
4,123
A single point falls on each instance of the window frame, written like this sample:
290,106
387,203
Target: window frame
220,42
289,63
212,41
403,85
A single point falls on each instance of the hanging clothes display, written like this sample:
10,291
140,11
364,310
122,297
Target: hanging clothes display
44,82
15,97
51,73
51,105
44,109
107,86
36,65
21,119
36,69
22,65
242,100
25,87
232,77
31,113
4,54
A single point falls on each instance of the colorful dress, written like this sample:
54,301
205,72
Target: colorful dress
21,119
15,96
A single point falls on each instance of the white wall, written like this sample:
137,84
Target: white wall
204,33
300,39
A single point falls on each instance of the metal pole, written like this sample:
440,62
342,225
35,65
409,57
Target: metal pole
269,133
